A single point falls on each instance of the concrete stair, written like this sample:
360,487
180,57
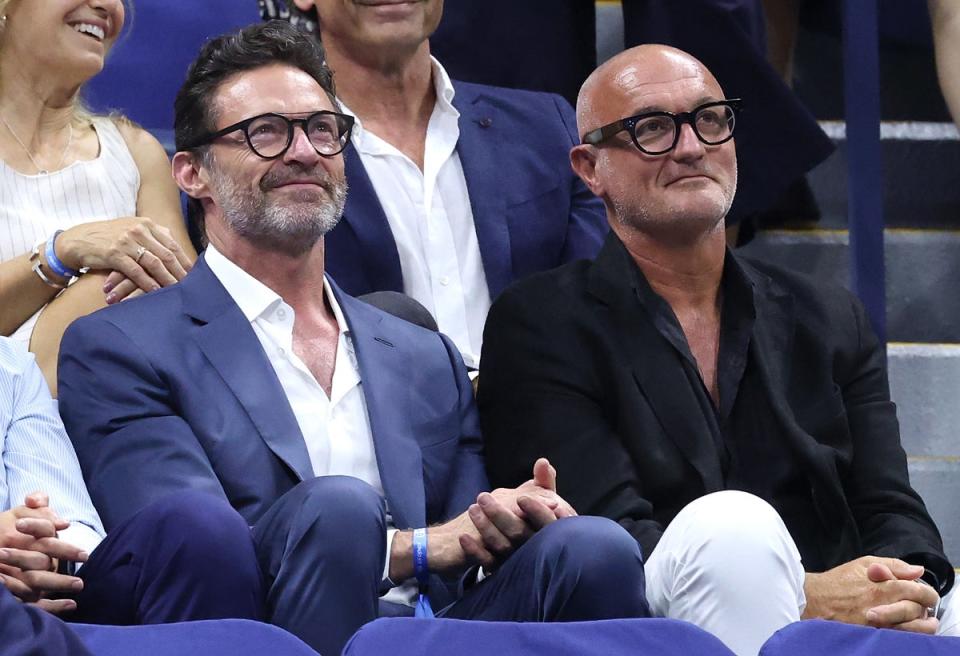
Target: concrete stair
922,242
925,384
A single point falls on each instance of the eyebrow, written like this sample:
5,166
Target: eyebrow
703,100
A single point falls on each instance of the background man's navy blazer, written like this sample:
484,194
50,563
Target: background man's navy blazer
530,210
174,391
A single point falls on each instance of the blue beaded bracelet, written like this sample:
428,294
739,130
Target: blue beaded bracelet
54,262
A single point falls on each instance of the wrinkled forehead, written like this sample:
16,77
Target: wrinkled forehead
274,88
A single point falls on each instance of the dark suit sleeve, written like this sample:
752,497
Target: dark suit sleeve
132,445
890,515
540,395
587,226
469,477
28,631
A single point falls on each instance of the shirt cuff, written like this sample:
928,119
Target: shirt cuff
81,536
391,532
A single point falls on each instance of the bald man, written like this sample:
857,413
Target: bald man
733,416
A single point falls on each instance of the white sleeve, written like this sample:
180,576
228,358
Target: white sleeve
37,454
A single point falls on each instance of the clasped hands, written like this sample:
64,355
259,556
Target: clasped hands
879,592
30,551
490,530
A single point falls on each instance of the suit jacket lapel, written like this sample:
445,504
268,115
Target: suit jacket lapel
773,329
482,165
227,339
383,363
654,362
365,216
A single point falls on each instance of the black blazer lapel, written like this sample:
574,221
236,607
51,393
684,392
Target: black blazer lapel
773,352
483,167
227,340
656,370
383,362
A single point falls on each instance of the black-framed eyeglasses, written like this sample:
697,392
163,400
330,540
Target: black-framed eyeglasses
656,133
270,135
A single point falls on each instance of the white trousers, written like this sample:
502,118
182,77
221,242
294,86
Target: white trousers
728,564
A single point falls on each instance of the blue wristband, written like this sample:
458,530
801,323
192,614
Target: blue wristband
422,573
54,262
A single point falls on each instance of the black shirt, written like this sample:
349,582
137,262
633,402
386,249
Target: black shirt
752,453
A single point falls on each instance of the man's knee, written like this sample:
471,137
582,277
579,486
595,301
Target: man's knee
593,548
199,524
590,568
341,498
730,536
341,506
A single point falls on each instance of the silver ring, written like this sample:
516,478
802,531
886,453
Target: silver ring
140,251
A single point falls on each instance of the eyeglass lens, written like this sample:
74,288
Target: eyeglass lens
658,133
271,135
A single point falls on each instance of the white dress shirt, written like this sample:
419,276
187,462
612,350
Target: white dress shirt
432,222
336,429
35,453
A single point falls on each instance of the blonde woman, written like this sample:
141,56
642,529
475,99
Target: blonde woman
88,210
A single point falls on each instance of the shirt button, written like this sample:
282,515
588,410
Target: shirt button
281,314
444,280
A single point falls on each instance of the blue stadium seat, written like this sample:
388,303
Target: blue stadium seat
150,60
421,637
207,638
823,637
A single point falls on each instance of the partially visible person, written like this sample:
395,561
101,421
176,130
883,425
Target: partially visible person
186,557
456,189
945,17
346,437
734,416
77,192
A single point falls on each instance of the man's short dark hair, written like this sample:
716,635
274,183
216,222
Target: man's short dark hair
260,44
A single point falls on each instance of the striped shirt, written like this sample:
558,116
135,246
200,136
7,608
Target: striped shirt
32,207
35,452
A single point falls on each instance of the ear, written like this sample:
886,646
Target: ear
189,175
304,5
583,159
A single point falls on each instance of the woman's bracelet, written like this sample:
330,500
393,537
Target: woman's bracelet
37,268
54,262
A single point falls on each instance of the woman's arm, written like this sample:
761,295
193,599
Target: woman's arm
157,200
22,292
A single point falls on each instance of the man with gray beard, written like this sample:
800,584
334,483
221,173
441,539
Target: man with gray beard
733,416
338,432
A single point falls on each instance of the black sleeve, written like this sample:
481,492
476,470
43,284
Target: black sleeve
540,395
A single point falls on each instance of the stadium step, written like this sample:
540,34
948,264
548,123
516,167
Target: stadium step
937,479
920,161
923,267
924,382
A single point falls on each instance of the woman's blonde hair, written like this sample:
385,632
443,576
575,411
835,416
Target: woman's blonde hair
82,114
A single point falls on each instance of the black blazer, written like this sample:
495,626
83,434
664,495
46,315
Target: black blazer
574,369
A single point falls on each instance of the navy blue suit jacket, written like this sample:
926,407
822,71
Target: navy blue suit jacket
530,210
28,631
173,391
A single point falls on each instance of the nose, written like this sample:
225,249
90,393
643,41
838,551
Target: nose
301,150
688,145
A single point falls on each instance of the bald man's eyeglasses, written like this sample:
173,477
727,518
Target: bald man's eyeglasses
656,133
